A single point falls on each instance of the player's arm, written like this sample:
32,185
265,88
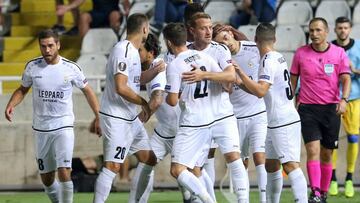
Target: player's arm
151,73
128,94
258,89
228,75
94,105
172,98
62,9
156,99
294,82
354,69
18,95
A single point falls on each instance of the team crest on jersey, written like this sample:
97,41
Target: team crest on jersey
66,79
122,66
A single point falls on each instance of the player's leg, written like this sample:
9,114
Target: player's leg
274,180
334,187
64,146
288,147
209,165
257,135
147,160
51,186
158,146
190,144
225,134
117,138
351,119
47,165
274,172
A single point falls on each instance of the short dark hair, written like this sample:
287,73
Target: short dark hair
265,32
196,16
152,44
175,33
321,20
47,34
191,9
343,19
135,22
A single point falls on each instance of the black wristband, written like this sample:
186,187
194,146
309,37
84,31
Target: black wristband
345,99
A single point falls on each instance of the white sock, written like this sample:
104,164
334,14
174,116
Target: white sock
66,192
298,185
149,188
103,185
261,179
140,182
205,179
209,166
185,192
53,191
240,180
193,184
274,186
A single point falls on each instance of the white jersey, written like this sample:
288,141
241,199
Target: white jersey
124,59
167,116
197,99
245,104
279,99
222,56
52,87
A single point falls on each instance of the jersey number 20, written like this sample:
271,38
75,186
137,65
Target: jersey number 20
197,93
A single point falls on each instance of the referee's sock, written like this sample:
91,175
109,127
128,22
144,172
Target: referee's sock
67,192
53,191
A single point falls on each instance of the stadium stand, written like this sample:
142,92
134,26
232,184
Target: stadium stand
220,11
248,30
294,12
93,65
289,37
356,14
142,7
98,41
330,10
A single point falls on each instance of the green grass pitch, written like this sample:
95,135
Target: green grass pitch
156,197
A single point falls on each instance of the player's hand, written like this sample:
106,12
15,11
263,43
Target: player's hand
9,112
145,114
160,66
95,127
61,10
194,75
341,107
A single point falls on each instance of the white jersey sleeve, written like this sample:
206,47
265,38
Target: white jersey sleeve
26,79
267,70
224,56
79,80
159,82
173,78
120,63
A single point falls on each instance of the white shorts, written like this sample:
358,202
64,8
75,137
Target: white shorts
284,143
160,145
252,132
190,145
122,138
226,135
54,149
